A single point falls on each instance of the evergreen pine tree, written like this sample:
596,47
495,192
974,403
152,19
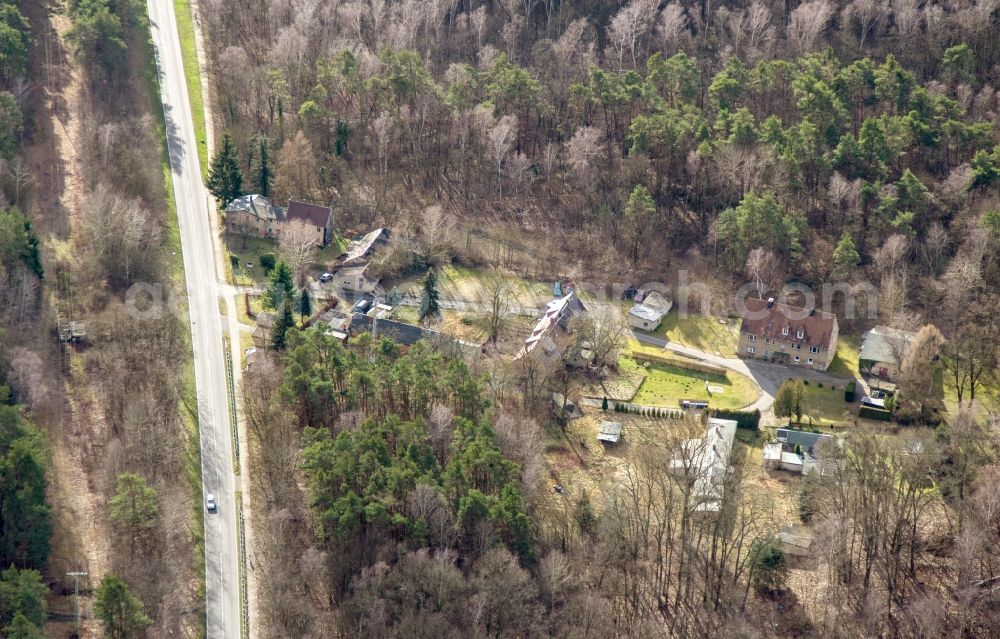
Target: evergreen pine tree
845,257
262,175
279,285
284,322
224,178
429,299
119,609
305,304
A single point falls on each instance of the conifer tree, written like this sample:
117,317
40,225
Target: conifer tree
224,178
429,300
262,174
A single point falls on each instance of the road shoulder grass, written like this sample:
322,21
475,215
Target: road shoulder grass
192,75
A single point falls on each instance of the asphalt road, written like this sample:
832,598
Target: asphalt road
221,556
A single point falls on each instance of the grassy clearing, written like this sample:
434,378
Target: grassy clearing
826,406
250,272
666,385
256,306
987,394
715,335
845,363
192,75
469,284
246,342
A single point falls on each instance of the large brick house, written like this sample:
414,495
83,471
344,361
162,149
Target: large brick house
788,334
254,215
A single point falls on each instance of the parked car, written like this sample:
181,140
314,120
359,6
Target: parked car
362,306
326,277
210,504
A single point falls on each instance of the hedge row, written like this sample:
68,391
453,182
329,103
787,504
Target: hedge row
872,412
748,420
648,411
679,362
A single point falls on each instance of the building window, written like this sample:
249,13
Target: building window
784,330
797,347
750,349
767,353
797,359
814,349
799,334
752,338
810,360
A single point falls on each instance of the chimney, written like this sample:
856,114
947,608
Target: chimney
770,302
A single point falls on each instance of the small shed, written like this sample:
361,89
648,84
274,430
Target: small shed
795,541
73,332
772,455
792,463
571,411
609,433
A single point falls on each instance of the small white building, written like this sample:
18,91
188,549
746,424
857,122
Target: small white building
649,313
355,278
706,461
792,462
609,433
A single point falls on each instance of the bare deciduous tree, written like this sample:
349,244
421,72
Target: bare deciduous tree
673,27
297,245
807,22
761,266
497,294
120,232
629,26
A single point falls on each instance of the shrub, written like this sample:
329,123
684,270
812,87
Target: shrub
234,260
267,260
747,420
871,412
805,382
819,384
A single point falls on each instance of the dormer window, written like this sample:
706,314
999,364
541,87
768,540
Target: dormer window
784,330
800,334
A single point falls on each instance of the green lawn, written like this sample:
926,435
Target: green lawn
845,363
716,335
666,385
189,54
464,283
256,306
250,255
987,393
826,405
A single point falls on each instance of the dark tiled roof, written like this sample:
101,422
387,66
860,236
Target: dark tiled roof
802,438
767,319
314,214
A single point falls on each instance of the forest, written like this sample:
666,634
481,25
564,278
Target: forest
405,494
400,491
94,469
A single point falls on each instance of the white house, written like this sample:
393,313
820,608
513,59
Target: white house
649,313
355,278
706,461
